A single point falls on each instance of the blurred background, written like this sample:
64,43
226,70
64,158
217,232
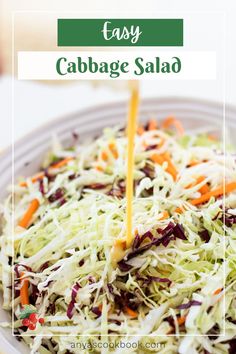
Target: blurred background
34,103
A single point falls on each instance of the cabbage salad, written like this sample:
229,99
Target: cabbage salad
74,279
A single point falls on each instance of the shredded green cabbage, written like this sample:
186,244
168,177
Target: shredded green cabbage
69,242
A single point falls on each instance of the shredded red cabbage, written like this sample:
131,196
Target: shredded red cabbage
62,201
121,185
17,270
225,217
118,189
44,266
228,219
136,243
110,288
73,176
127,299
171,232
96,311
52,308
232,346
206,352
115,192
167,234
71,305
59,193
97,186
124,267
81,263
150,147
50,177
147,280
22,265
189,304
149,171
34,294
160,280
139,240
167,230
204,234
41,187
178,232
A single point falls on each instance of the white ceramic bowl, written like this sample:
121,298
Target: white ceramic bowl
29,151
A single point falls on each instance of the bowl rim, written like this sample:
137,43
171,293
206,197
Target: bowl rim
111,105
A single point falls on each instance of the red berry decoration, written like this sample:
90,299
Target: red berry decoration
32,326
26,322
33,317
31,320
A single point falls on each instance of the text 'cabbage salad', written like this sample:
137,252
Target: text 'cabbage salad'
175,283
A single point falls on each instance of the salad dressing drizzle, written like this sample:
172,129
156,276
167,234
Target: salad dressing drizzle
131,131
120,245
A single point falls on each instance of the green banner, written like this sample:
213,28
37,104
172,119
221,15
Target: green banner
119,32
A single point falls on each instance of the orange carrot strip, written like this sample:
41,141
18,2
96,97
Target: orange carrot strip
37,177
40,175
171,168
100,307
157,159
164,215
204,189
114,151
24,294
212,137
33,179
181,320
217,291
99,168
193,163
104,156
24,222
190,185
179,210
140,130
172,121
214,193
152,124
62,162
201,179
162,158
131,312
